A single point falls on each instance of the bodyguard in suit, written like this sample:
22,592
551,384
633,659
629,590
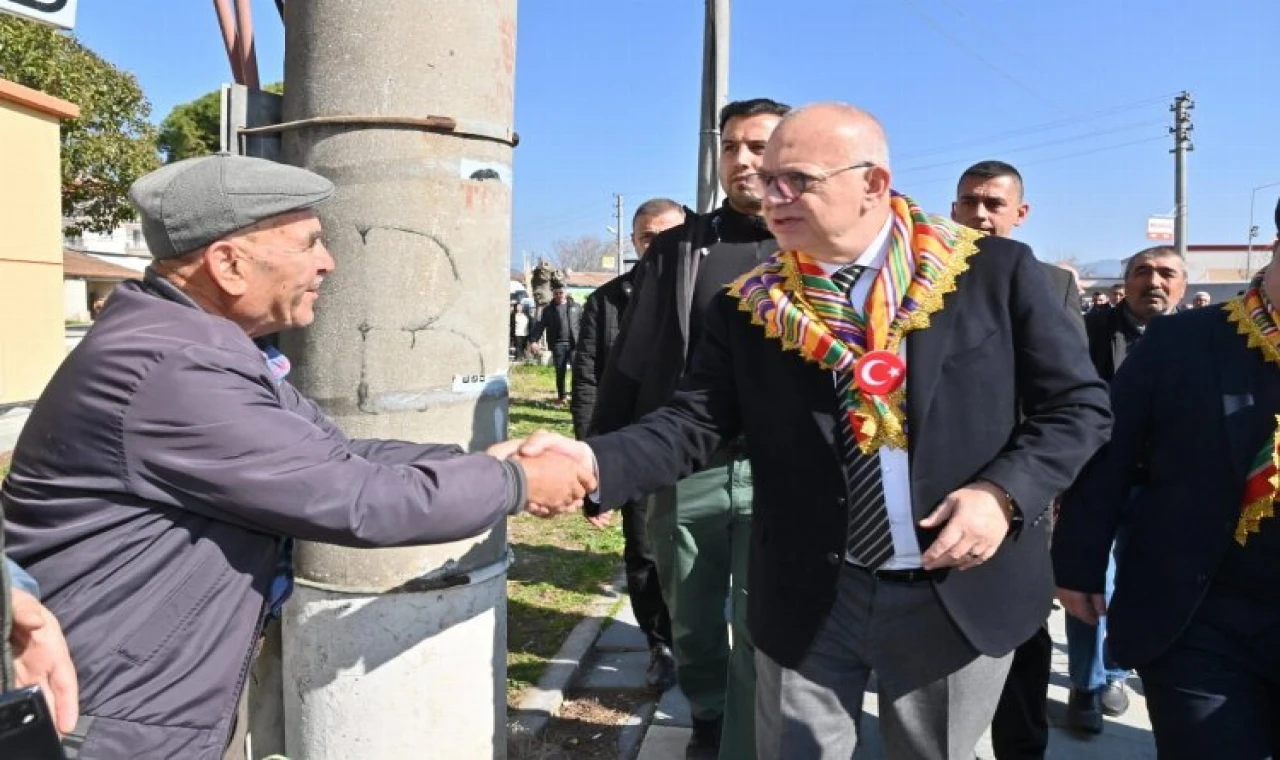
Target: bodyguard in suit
601,314
990,198
700,527
1188,482
899,528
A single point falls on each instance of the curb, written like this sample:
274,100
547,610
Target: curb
544,700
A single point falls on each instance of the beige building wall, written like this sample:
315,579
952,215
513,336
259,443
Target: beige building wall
31,323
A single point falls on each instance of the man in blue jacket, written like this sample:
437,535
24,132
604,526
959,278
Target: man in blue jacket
159,482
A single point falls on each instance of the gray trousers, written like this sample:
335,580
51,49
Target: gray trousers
937,694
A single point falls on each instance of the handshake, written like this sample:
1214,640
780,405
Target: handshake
559,472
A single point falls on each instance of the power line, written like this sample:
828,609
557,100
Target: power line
943,32
1077,154
1042,127
1044,144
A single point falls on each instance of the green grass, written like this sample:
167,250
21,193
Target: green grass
560,564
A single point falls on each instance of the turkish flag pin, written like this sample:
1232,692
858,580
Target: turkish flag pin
879,373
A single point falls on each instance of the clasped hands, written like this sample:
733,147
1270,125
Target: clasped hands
559,472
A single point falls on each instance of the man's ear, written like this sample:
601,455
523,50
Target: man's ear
879,181
226,266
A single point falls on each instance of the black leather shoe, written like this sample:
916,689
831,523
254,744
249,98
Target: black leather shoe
1114,699
1083,715
705,742
661,674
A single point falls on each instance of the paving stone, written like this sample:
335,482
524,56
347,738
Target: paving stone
617,671
665,743
673,710
623,635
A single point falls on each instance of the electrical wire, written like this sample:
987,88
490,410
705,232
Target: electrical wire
1043,144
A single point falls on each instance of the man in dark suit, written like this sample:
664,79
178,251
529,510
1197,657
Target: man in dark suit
990,197
700,527
897,530
601,313
1186,484
560,323
1156,279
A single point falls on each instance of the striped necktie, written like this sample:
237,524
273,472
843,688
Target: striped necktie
869,542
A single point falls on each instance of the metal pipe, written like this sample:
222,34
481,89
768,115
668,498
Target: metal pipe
247,48
228,26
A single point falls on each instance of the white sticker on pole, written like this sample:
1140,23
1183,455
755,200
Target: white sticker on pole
59,13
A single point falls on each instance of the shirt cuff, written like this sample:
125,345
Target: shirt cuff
19,578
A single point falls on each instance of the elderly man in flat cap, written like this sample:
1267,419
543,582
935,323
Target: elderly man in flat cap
161,477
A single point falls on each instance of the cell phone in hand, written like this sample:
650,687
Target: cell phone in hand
26,727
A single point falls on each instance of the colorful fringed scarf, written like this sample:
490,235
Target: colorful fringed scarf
796,303
1255,318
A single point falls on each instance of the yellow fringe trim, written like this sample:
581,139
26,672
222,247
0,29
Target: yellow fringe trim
893,433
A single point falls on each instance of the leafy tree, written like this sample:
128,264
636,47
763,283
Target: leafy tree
191,129
109,145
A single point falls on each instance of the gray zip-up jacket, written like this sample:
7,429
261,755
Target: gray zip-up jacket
151,491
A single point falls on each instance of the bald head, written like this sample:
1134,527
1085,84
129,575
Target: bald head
837,156
852,132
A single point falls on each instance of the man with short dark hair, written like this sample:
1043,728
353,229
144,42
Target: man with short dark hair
559,323
701,527
1117,294
1100,301
168,466
991,197
601,314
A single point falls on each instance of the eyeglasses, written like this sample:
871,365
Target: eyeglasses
792,184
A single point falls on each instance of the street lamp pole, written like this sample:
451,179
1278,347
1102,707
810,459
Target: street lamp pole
1253,230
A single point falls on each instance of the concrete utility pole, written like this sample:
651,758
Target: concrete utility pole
617,229
715,94
407,106
1181,131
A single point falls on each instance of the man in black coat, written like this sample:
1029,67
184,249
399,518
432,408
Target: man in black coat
559,323
601,314
1186,486
990,197
897,530
700,527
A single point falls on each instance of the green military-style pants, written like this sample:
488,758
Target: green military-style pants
701,535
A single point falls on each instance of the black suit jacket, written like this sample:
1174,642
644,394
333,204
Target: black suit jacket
601,315
1191,405
560,330
649,356
1109,336
1064,283
1002,346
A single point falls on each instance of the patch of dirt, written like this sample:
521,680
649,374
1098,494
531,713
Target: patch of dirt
587,728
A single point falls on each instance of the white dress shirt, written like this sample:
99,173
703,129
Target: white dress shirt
895,470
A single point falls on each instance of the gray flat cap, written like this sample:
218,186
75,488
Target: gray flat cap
191,203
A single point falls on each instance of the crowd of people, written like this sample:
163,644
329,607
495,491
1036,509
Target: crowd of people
848,438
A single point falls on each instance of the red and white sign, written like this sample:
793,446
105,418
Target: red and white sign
1160,228
879,373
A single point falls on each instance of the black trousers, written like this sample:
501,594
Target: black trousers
562,356
1215,693
1020,729
642,576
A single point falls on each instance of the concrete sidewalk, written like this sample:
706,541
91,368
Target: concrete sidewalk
661,731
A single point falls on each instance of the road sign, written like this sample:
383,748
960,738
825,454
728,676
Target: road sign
60,13
1160,228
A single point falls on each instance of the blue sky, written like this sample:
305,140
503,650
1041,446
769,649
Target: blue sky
1074,93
